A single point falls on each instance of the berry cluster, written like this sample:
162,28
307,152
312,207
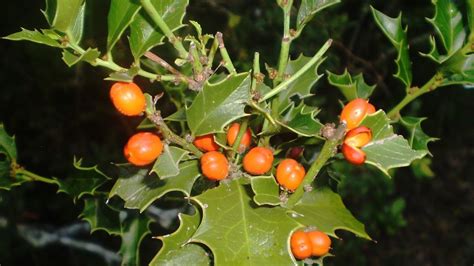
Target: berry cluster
310,243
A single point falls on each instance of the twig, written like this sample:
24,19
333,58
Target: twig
225,55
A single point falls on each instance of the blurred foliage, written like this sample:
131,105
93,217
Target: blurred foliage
420,217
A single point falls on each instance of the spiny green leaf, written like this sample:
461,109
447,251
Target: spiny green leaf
88,56
7,144
301,120
418,140
167,164
177,250
351,87
448,23
266,189
392,28
100,216
309,8
240,233
82,181
144,34
139,190
32,36
459,69
387,150
178,116
66,16
133,230
324,210
219,104
121,14
302,86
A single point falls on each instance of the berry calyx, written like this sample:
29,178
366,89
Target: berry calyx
143,148
232,134
290,174
214,165
128,98
300,245
258,161
354,111
206,143
320,243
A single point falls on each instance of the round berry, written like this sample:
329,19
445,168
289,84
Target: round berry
290,174
206,143
143,148
214,165
320,243
258,161
300,245
128,98
244,141
353,113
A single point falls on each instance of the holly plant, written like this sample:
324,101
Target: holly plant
233,148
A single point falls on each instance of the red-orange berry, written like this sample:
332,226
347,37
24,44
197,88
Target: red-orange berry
320,243
128,98
143,148
358,137
290,174
300,245
232,134
353,113
258,161
353,155
214,165
206,143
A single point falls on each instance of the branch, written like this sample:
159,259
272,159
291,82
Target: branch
285,41
225,55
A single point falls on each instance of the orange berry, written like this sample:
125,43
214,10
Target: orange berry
143,148
320,243
370,109
214,165
358,137
128,98
354,112
352,154
290,174
300,245
244,141
258,161
206,143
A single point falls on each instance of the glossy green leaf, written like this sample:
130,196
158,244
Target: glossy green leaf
100,216
88,56
301,120
448,23
393,29
266,190
167,165
470,16
387,150
178,116
177,250
302,86
139,189
323,209
121,14
7,144
144,34
309,8
32,36
418,140
459,69
240,233
66,16
82,181
219,104
133,230
351,87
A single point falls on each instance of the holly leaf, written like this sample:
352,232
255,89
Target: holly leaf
301,86
100,216
459,69
121,14
418,140
301,120
240,233
33,36
218,104
387,150
323,209
134,228
392,28
82,181
145,34
448,23
351,87
90,55
139,190
309,8
266,190
66,16
177,250
167,164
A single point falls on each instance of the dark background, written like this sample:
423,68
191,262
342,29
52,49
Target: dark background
57,113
